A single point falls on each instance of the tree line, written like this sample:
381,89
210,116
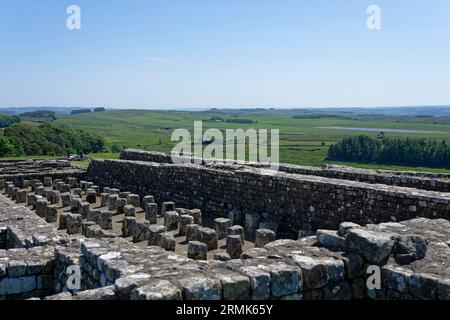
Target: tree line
42,114
6,121
48,139
79,111
392,151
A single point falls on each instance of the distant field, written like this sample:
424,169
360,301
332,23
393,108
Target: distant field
303,140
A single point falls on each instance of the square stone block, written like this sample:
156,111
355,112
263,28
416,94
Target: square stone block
151,212
234,246
154,231
221,226
263,237
73,223
209,237
166,241
197,250
171,219
129,210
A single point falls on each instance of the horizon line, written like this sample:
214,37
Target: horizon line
230,108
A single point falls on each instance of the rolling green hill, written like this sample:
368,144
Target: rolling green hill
303,140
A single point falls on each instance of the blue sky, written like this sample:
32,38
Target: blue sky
233,53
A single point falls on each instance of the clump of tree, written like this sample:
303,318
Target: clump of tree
40,115
99,109
78,111
320,116
48,139
382,150
7,121
244,121
11,147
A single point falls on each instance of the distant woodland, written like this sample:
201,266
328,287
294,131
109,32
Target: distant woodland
409,152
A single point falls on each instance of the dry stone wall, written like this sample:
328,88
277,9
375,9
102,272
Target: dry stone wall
426,181
30,232
308,268
331,267
293,202
26,273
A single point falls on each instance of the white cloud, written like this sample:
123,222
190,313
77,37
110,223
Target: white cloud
156,59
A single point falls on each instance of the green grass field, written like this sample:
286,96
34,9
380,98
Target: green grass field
303,141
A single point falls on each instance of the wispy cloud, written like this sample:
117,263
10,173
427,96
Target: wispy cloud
156,59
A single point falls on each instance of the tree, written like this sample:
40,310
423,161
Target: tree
52,139
78,111
7,121
11,147
407,152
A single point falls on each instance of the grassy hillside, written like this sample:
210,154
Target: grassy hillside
303,140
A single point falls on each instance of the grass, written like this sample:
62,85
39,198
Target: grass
303,141
103,155
28,157
389,167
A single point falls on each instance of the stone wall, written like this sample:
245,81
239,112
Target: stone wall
425,181
18,179
55,162
294,202
65,257
141,155
20,170
30,232
332,265
412,256
26,273
394,178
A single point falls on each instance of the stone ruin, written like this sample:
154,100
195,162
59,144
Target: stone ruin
143,228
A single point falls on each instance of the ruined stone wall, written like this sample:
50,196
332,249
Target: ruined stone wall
26,273
32,230
412,256
425,181
294,202
331,265
17,179
20,170
141,155
66,257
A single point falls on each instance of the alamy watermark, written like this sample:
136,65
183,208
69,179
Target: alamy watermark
238,146
373,281
374,19
73,21
73,282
